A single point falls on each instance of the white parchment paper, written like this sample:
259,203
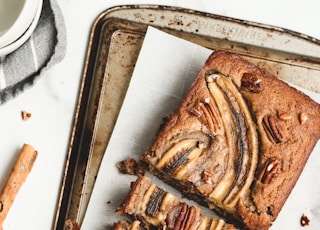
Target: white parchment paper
165,69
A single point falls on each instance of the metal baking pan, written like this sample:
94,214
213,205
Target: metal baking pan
114,43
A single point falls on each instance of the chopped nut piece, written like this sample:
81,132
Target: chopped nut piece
201,145
207,100
284,115
25,115
303,117
304,220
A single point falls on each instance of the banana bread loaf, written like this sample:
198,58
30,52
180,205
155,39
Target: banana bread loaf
238,142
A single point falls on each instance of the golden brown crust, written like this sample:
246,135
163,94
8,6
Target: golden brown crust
235,110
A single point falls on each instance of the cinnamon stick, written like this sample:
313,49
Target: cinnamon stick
17,177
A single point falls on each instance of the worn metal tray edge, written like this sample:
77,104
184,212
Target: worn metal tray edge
72,156
229,33
81,138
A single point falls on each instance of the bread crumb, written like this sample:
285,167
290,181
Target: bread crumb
130,167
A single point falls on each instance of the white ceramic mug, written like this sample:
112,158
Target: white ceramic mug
18,19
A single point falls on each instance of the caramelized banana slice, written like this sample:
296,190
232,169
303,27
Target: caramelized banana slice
242,140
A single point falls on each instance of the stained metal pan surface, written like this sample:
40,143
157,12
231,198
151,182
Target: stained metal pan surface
114,44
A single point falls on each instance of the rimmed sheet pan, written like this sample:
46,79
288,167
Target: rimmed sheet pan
114,43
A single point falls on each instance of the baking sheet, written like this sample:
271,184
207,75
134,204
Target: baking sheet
160,80
114,43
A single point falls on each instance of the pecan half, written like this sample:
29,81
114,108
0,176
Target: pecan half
208,115
181,216
273,129
251,83
270,171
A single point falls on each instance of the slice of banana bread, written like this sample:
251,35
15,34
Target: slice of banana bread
154,207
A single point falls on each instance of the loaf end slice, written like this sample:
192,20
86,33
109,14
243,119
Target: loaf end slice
158,209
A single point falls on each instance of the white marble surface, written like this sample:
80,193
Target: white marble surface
52,100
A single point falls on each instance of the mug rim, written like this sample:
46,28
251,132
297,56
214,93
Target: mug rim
25,36
22,22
